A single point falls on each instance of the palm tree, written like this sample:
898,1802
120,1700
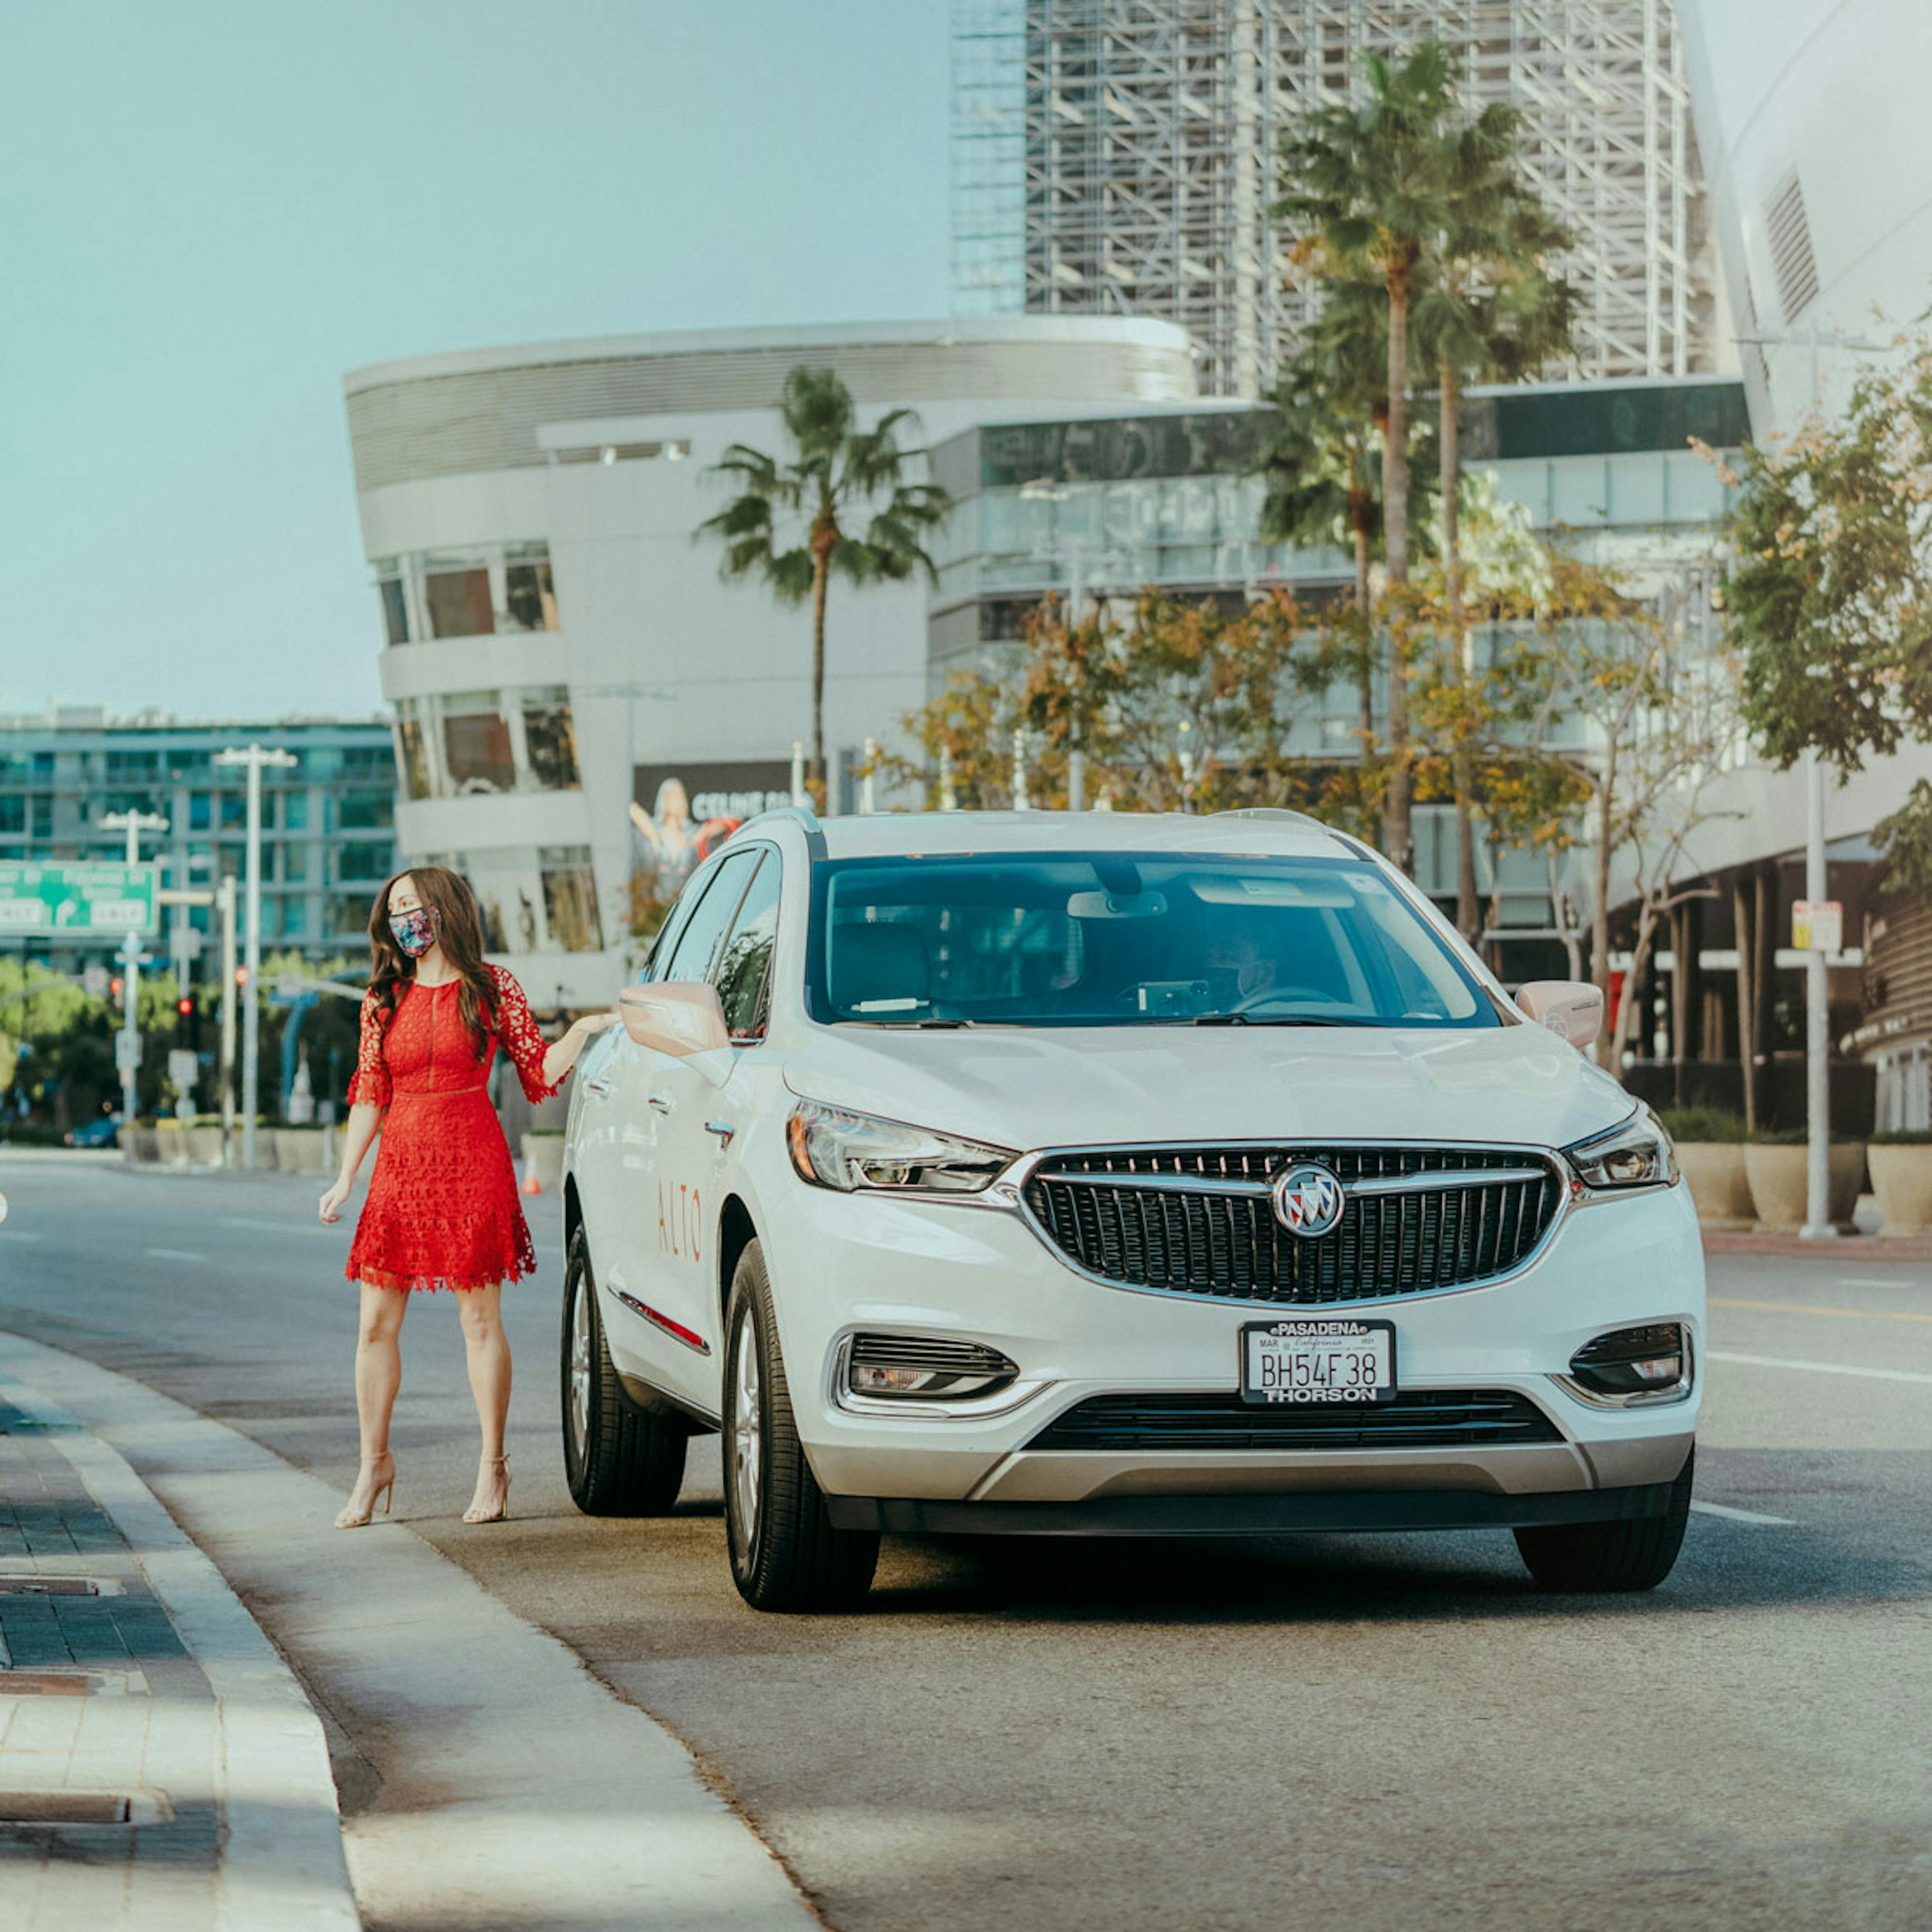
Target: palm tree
1369,190
792,521
1487,308
1318,459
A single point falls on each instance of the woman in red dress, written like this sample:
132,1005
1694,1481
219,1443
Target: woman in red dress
443,1210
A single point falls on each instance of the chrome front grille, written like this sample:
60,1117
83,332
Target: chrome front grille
1199,1220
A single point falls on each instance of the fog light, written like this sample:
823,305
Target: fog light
929,1367
1629,1366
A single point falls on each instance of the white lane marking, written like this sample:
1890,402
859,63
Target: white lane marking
174,1254
22,1234
275,1227
1820,1368
1730,1515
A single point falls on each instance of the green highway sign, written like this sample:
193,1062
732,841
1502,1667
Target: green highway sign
104,901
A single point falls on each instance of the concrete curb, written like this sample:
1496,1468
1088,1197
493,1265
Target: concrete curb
281,1862
515,1789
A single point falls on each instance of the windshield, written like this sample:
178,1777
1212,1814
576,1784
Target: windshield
1119,939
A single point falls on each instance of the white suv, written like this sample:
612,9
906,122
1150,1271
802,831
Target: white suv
1106,1174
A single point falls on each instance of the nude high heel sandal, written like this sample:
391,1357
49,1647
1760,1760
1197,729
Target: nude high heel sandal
473,1513
385,1490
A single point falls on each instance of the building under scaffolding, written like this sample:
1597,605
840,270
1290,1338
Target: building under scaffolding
1118,156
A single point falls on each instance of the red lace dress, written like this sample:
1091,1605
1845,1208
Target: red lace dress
443,1210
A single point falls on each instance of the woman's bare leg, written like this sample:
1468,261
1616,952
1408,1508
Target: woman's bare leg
488,1349
379,1374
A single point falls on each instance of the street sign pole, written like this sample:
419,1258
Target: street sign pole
128,1050
1818,1225
254,757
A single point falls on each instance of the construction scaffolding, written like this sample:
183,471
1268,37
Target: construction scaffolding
1119,157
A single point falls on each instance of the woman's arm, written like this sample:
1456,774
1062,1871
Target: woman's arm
561,1055
365,1120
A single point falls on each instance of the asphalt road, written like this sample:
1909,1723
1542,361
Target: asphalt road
1368,1731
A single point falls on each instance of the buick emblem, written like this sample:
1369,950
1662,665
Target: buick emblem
1308,1199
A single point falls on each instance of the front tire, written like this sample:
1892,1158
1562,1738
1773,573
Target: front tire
1626,1553
785,1554
619,1459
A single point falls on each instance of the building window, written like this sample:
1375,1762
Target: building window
530,595
476,743
412,755
44,815
295,812
294,863
395,610
294,918
358,863
365,811
459,603
13,814
570,898
234,810
550,739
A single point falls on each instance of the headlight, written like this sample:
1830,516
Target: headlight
1636,1153
833,1149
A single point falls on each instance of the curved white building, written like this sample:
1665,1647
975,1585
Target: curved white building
556,642
1817,148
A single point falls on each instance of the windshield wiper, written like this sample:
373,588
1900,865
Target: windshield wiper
926,1025
1248,1019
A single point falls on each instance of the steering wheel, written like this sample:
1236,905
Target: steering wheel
1270,995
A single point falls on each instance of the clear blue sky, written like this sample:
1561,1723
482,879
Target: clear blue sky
212,209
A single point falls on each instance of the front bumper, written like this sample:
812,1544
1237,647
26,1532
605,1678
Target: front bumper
845,1263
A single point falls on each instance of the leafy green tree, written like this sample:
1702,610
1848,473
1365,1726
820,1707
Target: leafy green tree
1184,705
1369,188
835,503
1830,595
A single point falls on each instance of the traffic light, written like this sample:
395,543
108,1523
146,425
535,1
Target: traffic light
115,987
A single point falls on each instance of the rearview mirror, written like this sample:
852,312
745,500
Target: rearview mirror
1573,1009
677,1017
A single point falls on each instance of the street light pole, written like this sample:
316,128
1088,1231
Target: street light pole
255,757
134,822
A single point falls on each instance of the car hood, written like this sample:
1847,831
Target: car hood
1034,1087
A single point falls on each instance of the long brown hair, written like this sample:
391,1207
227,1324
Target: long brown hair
459,932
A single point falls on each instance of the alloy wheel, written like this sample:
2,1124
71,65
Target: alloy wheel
747,1432
580,1367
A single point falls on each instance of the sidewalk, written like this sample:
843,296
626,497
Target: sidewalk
1856,1249
159,1768
491,1782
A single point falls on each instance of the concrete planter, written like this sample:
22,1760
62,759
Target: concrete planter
171,1144
137,1143
1714,1170
1777,1176
546,1150
302,1149
1902,1179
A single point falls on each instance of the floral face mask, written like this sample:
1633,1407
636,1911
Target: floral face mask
414,931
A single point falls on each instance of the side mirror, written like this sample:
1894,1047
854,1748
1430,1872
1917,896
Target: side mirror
679,1018
1573,1009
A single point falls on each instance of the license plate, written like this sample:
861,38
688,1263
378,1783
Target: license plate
1318,1360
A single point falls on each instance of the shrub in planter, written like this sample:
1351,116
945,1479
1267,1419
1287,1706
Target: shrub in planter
1901,1176
1710,1145
1775,1164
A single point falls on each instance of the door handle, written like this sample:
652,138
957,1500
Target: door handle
658,1101
723,1129
601,1084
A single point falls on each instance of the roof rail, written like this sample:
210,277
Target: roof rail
803,814
1279,814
